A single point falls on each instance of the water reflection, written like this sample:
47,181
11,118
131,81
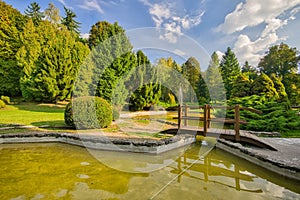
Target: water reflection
52,171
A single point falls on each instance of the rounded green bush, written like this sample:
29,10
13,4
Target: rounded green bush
2,104
88,113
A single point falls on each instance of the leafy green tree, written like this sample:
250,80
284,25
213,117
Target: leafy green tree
12,23
213,80
34,12
230,69
52,14
280,60
283,61
70,22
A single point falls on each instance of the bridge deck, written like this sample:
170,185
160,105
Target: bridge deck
229,134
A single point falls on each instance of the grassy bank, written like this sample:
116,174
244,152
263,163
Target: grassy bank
32,114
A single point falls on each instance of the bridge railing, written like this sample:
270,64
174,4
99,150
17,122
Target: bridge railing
184,117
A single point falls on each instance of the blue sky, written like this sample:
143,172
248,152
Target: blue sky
249,27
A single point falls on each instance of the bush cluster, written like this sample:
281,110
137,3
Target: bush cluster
276,116
88,113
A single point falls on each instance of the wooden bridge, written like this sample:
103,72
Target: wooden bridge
203,114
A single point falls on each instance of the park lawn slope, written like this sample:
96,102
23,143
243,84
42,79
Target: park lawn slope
32,114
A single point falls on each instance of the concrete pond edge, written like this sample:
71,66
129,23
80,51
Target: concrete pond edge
245,153
136,145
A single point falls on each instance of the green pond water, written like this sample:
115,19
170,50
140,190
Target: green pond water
60,171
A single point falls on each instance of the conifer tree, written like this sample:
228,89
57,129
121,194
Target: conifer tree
34,12
229,69
70,22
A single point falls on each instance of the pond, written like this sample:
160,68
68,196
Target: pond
60,171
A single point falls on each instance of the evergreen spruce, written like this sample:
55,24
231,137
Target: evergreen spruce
230,69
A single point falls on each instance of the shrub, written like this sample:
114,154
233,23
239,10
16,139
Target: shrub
2,104
88,113
6,99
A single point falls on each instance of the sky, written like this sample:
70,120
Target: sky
183,28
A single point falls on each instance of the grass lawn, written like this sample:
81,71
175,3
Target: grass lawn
32,114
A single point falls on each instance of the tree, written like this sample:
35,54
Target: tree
229,69
143,83
264,86
192,72
168,68
52,14
213,80
280,60
12,23
242,86
50,59
103,30
105,60
283,61
70,22
34,12
282,95
113,74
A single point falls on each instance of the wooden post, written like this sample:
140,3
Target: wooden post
205,121
185,115
237,122
179,116
208,117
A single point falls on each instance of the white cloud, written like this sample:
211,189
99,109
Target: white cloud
220,55
255,12
272,14
85,35
167,16
91,5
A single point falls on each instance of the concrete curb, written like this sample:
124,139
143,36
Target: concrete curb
137,145
292,172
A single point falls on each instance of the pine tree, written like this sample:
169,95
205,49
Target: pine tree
229,69
34,12
70,22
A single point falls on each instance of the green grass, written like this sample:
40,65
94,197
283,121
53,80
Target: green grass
291,134
32,114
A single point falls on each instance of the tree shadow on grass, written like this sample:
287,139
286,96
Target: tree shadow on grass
40,107
55,124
